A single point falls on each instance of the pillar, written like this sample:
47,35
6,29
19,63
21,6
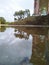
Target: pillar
48,6
36,7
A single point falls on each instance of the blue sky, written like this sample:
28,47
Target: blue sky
8,7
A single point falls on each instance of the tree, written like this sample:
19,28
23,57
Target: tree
27,12
16,16
21,14
2,20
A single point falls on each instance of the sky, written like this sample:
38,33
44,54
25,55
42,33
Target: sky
8,7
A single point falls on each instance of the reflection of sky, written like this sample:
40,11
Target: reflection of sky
12,48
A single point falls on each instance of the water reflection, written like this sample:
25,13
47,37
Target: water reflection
47,50
38,49
21,34
13,50
40,54
2,28
24,46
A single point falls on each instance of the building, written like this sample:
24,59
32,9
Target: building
41,7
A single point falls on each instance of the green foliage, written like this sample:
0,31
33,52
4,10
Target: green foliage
33,20
27,12
21,14
2,20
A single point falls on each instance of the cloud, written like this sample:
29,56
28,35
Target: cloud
1,11
8,7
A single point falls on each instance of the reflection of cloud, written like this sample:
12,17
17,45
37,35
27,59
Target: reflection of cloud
1,11
12,48
10,6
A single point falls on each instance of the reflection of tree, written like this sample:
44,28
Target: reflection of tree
2,28
21,34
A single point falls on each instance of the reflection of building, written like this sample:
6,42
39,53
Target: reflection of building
47,49
41,7
38,50
0,24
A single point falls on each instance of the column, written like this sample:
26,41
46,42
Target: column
48,6
36,7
